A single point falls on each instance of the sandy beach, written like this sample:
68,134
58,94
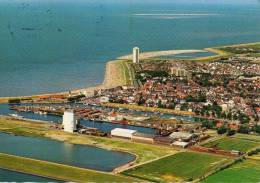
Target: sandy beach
152,54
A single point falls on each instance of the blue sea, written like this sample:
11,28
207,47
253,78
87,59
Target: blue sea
58,45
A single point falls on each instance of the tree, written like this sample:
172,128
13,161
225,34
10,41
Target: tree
224,115
201,97
229,116
184,107
243,118
208,124
230,132
160,105
257,129
243,129
222,130
190,98
256,117
235,117
172,105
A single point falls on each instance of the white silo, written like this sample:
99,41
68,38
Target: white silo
136,55
69,121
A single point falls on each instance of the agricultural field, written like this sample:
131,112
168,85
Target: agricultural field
232,143
178,167
246,171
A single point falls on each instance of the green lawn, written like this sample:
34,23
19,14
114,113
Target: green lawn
228,143
247,171
58,171
178,167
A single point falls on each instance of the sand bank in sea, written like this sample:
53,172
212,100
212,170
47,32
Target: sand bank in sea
152,54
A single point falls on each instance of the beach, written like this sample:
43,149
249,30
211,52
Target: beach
152,54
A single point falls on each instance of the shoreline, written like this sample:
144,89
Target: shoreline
115,75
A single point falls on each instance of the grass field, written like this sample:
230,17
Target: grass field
228,143
178,167
242,48
144,152
58,171
255,138
247,171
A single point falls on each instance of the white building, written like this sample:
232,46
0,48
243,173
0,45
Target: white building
104,99
180,144
136,55
123,133
181,136
69,121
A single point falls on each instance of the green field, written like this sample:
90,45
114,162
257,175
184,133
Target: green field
228,143
57,171
247,171
255,138
178,167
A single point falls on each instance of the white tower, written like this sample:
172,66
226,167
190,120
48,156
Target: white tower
69,121
135,55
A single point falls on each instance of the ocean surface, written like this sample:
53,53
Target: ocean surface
58,45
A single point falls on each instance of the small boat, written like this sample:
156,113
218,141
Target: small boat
15,115
42,112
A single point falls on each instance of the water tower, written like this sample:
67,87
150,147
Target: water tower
136,53
69,121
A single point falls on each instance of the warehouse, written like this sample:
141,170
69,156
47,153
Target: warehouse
182,136
163,140
122,133
180,144
141,137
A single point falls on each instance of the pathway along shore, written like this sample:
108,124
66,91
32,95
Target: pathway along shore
114,74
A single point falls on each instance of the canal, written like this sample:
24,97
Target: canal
64,153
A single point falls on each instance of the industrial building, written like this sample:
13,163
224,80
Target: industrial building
136,53
180,144
122,133
69,121
182,136
142,137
